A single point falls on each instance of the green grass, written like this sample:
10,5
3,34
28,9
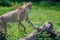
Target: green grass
38,15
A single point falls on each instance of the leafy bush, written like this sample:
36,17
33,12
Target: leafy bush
44,36
5,3
2,36
16,0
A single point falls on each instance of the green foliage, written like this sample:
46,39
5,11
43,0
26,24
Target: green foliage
2,36
16,0
8,2
5,3
44,36
39,14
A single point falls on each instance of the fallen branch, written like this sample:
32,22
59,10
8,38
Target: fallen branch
47,27
31,36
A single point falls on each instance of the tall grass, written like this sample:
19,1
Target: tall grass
38,15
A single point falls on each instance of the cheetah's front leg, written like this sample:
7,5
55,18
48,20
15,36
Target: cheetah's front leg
22,26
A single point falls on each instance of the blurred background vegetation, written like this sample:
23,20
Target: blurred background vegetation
8,2
42,10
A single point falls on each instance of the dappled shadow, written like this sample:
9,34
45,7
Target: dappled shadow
2,36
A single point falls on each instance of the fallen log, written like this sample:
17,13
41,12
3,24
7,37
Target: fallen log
48,27
31,36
